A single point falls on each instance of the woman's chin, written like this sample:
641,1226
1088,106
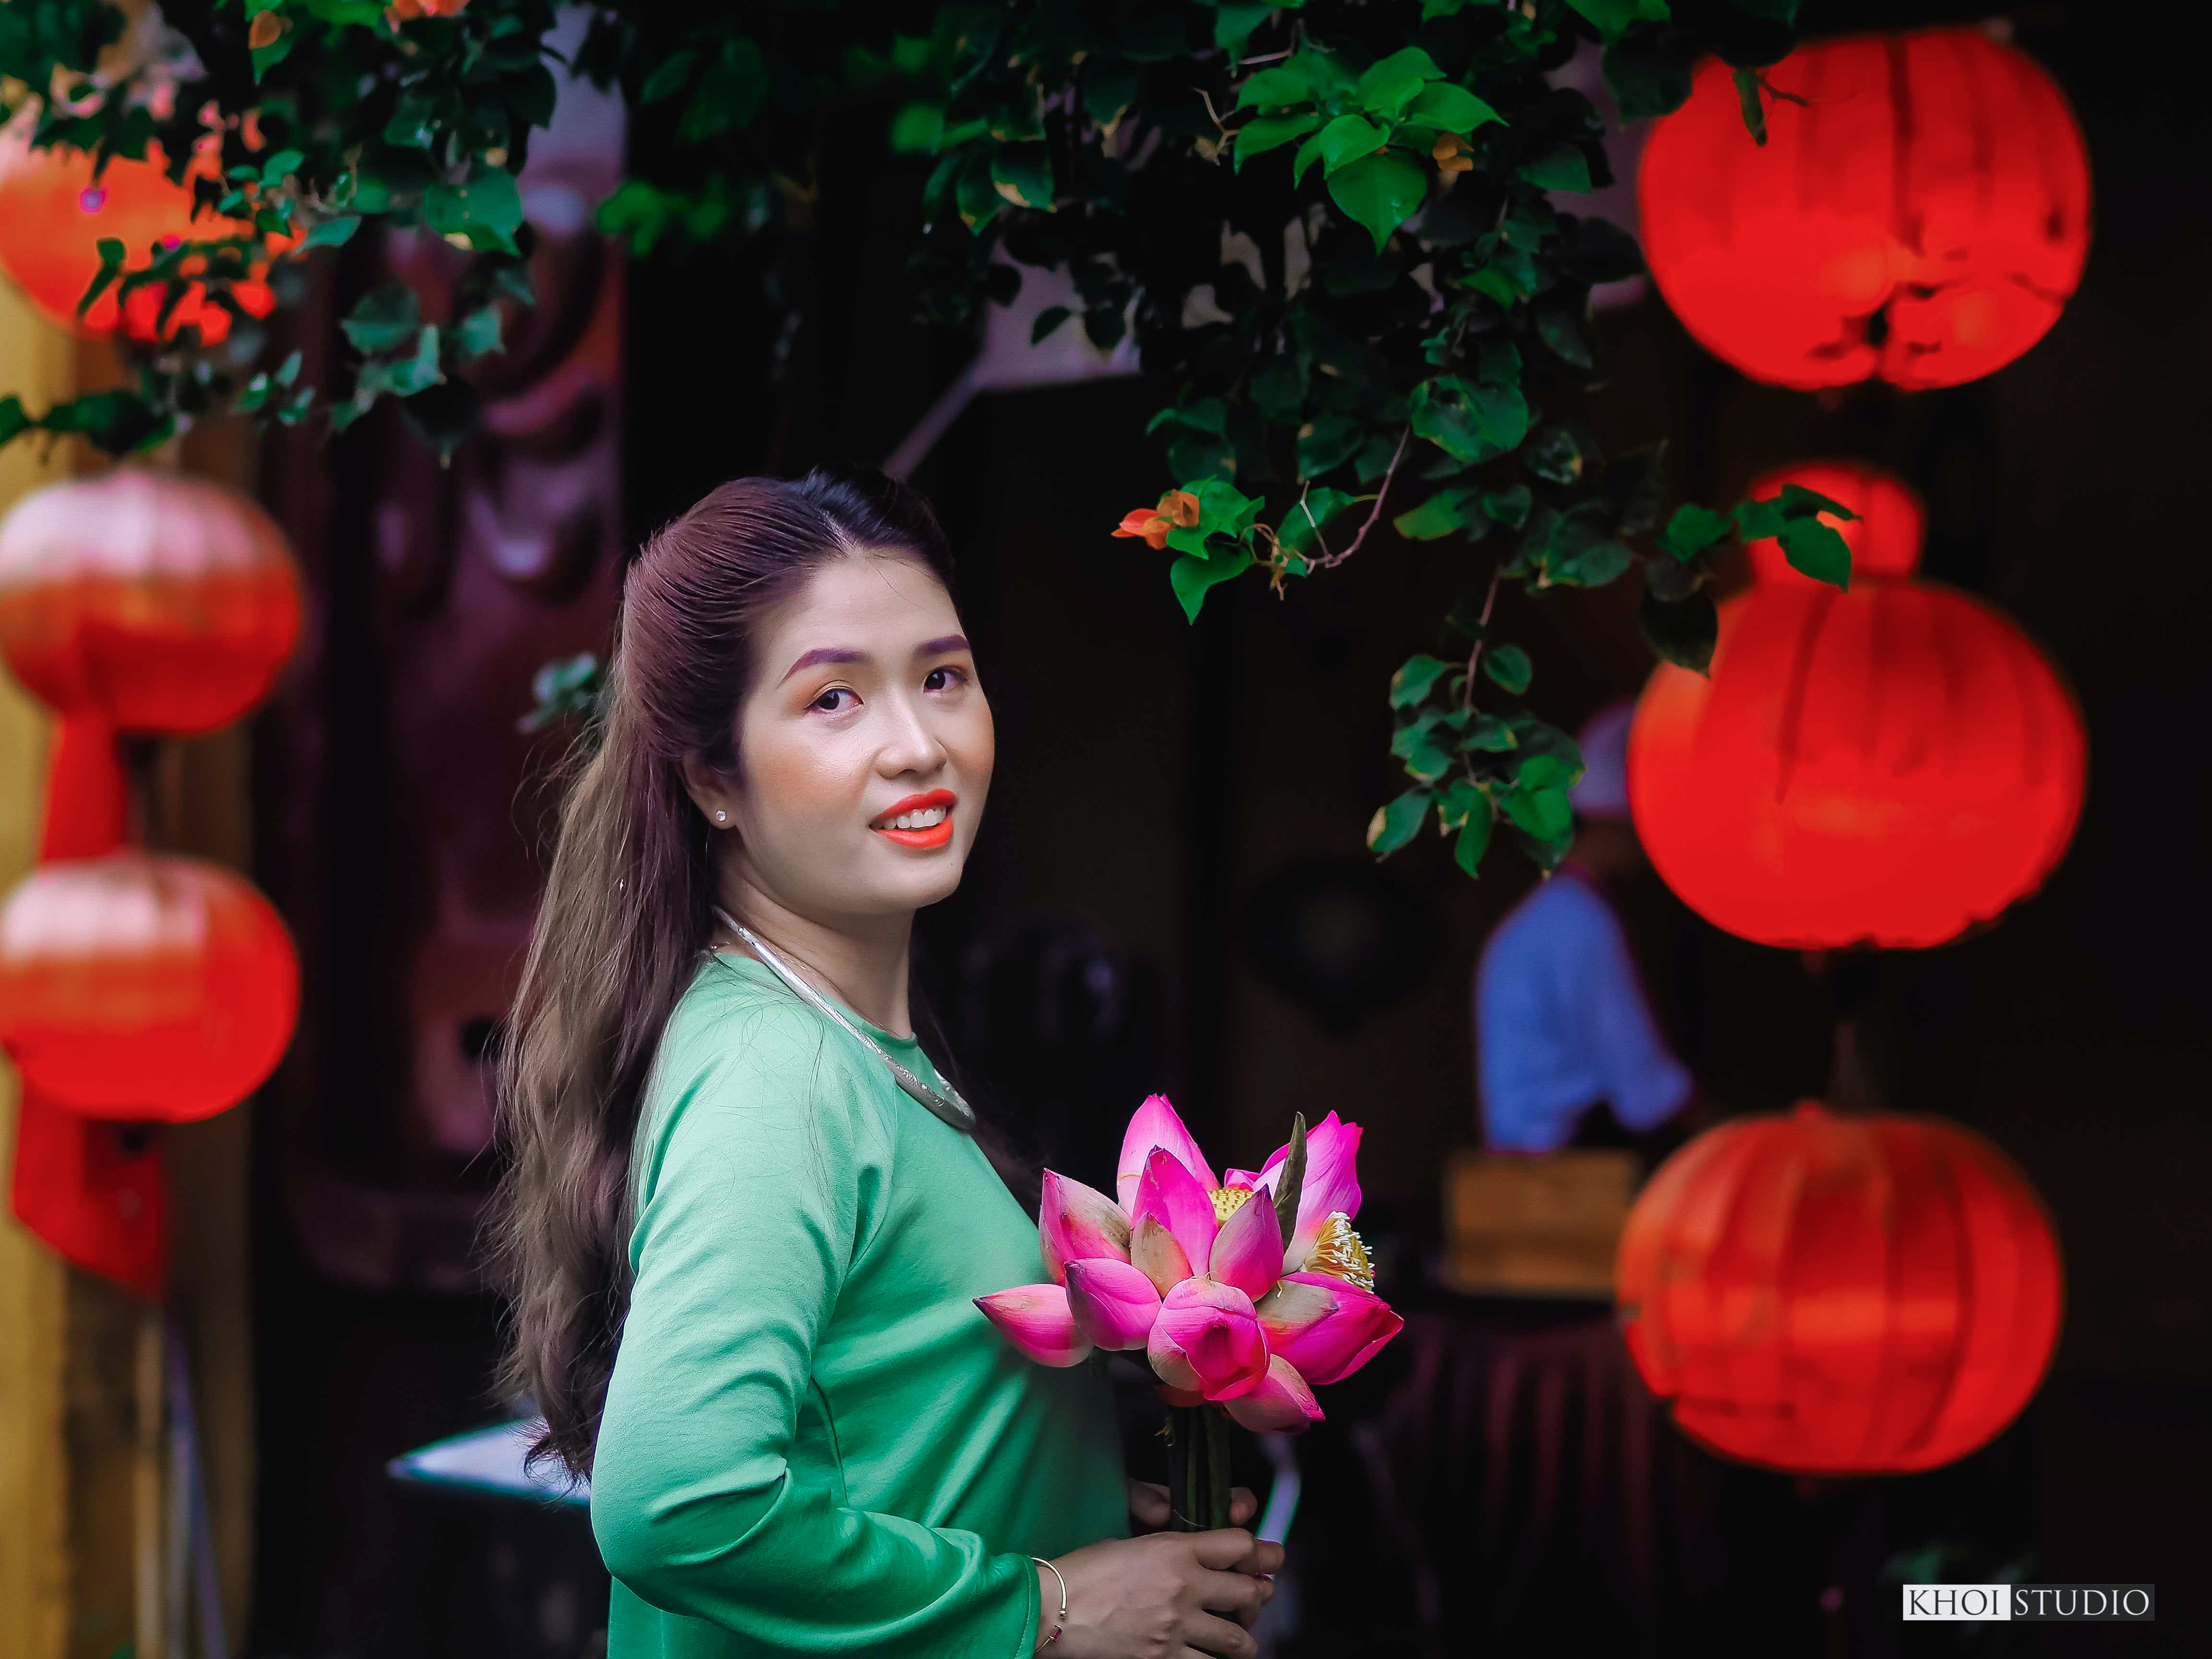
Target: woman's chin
908,881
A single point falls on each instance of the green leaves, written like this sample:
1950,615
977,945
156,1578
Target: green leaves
729,95
383,319
116,423
1344,140
1541,812
1694,529
1818,551
1266,132
113,254
482,213
1307,76
1391,84
569,688
1402,316
1647,71
1754,110
1380,192
1396,825
1684,632
273,393
1022,174
1192,578
1791,518
1471,420
1451,109
1563,166
1304,522
1614,17
334,232
1425,745
1509,666
1444,514
1370,135
1414,680
1216,547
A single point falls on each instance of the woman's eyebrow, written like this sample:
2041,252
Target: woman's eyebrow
826,653
940,645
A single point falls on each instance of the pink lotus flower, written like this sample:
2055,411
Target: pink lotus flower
1113,1304
1331,1186
1076,1223
1156,1124
1170,1194
1326,1328
1035,1319
1207,1340
1282,1404
1195,1271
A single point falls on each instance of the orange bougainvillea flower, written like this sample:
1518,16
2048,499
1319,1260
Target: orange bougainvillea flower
400,11
1178,510
1145,522
1451,155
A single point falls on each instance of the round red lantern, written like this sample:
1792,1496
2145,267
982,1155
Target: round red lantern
1921,215
1886,766
161,603
54,214
144,987
1840,1294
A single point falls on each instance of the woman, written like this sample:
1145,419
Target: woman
746,1215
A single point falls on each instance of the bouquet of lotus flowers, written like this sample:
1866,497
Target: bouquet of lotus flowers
1242,1293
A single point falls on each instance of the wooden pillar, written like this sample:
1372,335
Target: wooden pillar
81,1461
34,1556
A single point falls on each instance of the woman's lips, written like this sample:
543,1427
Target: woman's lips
928,820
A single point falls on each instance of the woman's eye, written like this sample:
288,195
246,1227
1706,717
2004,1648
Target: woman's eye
831,701
942,679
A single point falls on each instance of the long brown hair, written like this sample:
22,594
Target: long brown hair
627,907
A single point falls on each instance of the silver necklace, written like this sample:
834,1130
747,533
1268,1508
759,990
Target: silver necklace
947,1105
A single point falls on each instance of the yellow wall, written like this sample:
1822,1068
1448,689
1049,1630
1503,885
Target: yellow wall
34,1576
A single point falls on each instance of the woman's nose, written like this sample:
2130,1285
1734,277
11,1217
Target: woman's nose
909,744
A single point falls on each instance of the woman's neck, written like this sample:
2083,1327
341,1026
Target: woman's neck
860,961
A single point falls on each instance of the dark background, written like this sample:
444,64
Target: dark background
1168,794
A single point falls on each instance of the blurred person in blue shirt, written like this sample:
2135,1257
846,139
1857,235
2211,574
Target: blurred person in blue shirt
1568,1051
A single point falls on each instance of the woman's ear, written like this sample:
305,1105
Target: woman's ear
713,795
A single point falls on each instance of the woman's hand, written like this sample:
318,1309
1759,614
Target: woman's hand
1148,1506
1161,1597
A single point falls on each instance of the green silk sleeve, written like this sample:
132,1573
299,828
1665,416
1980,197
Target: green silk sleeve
760,1180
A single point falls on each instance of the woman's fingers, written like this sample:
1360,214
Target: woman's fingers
1222,1549
1219,1637
1149,1510
1260,1558
1233,1592
1148,1505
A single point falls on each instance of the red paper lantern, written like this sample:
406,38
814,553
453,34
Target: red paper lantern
1888,766
1840,1294
159,602
54,214
144,987
1923,216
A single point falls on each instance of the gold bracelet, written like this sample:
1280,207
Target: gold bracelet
1059,1625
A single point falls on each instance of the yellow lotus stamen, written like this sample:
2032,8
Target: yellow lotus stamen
1227,1200
1338,1253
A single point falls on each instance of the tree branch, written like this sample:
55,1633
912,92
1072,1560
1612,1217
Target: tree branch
1330,560
1473,657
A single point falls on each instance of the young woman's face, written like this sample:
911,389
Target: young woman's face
864,745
